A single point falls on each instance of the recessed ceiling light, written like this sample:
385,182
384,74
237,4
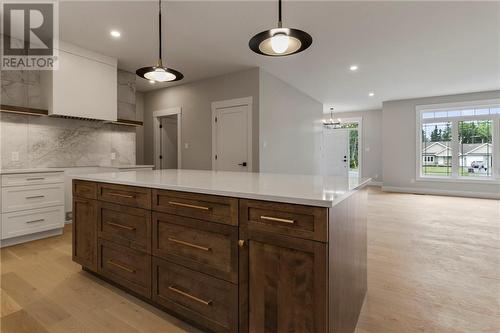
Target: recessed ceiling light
354,68
371,94
115,33
152,81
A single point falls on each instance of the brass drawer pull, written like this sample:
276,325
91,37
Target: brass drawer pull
269,218
189,244
120,226
125,268
36,178
36,197
36,221
188,205
121,195
194,298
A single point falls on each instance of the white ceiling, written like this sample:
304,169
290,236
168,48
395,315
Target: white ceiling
403,49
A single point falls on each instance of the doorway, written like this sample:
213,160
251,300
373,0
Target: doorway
232,135
167,138
342,151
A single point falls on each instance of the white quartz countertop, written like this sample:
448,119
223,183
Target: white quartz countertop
34,170
322,191
131,166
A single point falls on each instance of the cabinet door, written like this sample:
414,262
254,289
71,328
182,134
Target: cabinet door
287,289
85,232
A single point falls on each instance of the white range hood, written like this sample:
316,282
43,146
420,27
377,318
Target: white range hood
84,85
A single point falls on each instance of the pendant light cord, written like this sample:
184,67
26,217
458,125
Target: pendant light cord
159,33
279,14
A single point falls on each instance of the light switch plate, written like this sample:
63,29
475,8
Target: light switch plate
15,156
186,145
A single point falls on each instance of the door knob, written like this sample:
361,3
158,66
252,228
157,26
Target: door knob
243,164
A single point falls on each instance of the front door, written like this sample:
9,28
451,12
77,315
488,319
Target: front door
336,152
231,129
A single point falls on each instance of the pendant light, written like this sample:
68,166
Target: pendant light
159,73
280,41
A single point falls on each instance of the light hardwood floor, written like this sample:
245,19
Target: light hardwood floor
433,266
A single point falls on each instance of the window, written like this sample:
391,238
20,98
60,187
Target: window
459,141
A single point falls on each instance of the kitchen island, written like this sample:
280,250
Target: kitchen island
229,251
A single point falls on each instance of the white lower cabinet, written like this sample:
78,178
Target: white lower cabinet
30,221
30,197
32,206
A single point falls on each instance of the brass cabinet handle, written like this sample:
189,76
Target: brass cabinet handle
35,221
194,298
188,205
189,244
36,197
36,178
120,226
269,218
121,195
125,268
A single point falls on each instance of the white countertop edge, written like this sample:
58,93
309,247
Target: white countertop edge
255,196
35,170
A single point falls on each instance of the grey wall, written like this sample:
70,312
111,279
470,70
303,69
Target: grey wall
371,141
195,99
399,142
290,128
139,136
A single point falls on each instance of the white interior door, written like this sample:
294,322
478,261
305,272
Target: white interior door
231,138
336,152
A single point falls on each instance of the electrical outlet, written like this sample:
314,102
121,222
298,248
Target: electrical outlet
113,156
15,156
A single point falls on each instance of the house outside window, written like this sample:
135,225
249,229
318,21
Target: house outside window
459,141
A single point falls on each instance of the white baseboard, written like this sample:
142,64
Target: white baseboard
30,237
375,183
467,194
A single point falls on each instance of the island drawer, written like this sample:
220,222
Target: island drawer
127,267
125,195
208,301
84,189
287,219
127,226
204,246
200,206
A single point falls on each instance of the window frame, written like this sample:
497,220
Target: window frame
455,148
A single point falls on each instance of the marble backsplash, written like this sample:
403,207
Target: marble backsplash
58,142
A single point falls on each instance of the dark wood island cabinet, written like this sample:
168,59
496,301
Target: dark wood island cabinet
226,263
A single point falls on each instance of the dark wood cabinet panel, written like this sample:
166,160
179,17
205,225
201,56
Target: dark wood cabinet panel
84,189
125,195
286,279
285,219
347,262
127,267
127,226
200,206
209,302
85,232
208,247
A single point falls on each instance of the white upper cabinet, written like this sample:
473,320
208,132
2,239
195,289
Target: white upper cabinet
84,86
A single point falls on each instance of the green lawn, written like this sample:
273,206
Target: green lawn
441,171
